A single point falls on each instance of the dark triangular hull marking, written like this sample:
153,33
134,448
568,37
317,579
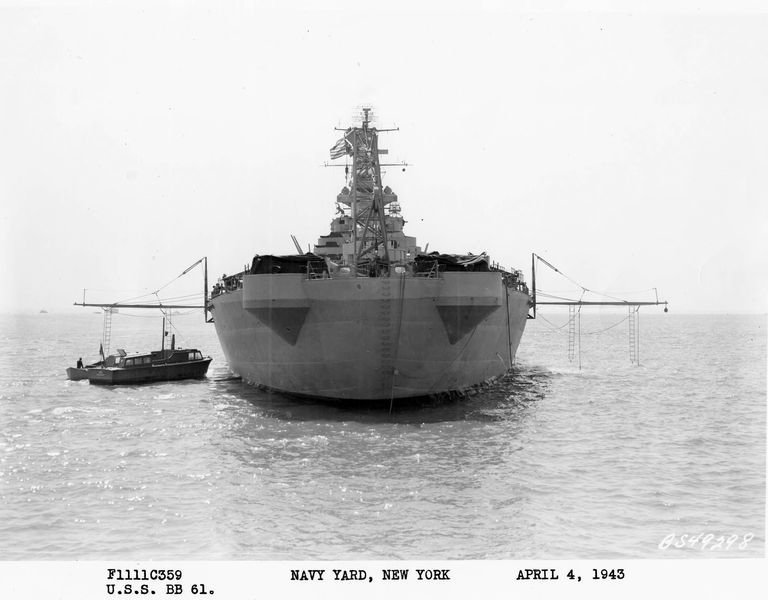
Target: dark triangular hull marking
285,322
459,320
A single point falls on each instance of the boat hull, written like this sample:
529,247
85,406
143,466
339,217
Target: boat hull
151,373
368,339
76,374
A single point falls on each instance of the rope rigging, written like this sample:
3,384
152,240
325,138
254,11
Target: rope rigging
161,288
574,311
585,289
558,328
146,301
165,305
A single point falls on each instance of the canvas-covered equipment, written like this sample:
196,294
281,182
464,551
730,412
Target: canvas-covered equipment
451,262
288,263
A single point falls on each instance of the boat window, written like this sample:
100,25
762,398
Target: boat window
128,362
191,356
146,360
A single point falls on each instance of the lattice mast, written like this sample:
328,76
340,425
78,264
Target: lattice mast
368,219
367,194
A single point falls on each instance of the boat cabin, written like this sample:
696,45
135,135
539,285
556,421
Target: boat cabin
179,355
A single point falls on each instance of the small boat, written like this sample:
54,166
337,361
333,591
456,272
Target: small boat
166,364
161,365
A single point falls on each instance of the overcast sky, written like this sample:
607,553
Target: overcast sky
628,149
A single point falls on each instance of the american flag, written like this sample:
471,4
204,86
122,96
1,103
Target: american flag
340,148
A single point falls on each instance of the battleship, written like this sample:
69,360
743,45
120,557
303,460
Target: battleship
368,316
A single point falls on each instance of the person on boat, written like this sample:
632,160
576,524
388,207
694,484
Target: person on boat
80,363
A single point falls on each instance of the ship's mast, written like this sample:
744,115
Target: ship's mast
354,207
366,200
367,187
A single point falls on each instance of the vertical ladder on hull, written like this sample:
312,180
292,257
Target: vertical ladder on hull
106,335
634,335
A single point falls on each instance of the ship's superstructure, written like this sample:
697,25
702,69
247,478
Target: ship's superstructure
368,316
339,245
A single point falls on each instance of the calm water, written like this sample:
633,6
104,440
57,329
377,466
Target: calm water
552,462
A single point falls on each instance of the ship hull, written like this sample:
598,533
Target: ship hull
370,339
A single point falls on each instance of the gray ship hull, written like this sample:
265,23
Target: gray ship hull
371,339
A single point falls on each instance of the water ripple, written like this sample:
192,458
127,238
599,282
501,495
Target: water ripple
551,461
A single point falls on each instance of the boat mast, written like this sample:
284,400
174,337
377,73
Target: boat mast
533,285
